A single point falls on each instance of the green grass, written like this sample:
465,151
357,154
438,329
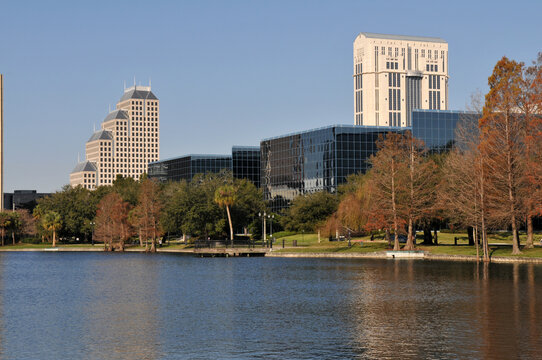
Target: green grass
308,243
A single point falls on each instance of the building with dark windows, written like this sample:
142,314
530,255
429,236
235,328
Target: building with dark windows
246,163
321,159
22,199
437,128
186,167
315,160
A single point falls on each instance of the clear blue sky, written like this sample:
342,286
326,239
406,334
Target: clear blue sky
226,72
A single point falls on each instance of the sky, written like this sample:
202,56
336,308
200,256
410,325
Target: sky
226,72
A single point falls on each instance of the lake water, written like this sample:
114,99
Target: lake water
144,306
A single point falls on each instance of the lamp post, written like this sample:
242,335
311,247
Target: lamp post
92,223
271,217
263,216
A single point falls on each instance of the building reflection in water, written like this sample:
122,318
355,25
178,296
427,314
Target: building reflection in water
122,311
414,309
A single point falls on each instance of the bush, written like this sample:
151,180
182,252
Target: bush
30,240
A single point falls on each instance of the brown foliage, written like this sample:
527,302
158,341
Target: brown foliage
502,147
146,215
112,227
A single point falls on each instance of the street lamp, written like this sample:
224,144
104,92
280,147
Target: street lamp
263,216
92,223
271,217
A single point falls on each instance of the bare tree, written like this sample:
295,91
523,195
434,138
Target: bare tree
502,147
531,107
388,175
146,214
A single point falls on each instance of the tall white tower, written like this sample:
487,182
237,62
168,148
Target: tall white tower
395,74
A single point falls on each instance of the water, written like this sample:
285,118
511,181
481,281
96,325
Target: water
141,306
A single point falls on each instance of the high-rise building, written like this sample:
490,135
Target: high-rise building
395,74
128,141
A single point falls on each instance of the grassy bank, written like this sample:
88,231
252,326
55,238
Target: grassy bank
308,243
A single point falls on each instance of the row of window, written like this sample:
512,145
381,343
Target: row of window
392,65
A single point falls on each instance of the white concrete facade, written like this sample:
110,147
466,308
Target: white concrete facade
128,142
395,74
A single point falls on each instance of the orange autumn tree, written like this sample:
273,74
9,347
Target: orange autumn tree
502,147
146,215
112,227
389,175
531,107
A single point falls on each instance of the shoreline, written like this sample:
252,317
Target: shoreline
316,255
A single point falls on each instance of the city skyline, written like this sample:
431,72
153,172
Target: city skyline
226,73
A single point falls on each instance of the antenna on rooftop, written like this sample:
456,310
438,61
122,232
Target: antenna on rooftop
134,81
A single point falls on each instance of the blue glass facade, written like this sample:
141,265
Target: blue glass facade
246,163
186,167
321,159
315,160
436,128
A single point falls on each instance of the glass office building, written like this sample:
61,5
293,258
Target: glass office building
186,167
321,159
246,163
315,160
437,128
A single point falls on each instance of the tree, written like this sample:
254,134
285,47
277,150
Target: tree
226,196
147,213
353,211
388,175
308,212
28,223
421,182
52,222
502,147
5,222
14,225
112,226
531,107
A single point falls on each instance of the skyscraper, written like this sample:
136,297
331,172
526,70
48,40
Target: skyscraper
128,141
395,74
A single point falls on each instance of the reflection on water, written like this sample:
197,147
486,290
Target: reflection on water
125,306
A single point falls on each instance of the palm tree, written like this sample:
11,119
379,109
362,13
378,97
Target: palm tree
226,196
52,222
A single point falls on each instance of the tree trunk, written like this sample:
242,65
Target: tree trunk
140,238
410,243
427,238
515,237
529,244
3,234
231,226
470,233
396,245
54,238
410,236
435,230
388,237
476,241
13,237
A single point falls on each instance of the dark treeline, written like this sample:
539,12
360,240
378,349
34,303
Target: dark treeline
141,212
